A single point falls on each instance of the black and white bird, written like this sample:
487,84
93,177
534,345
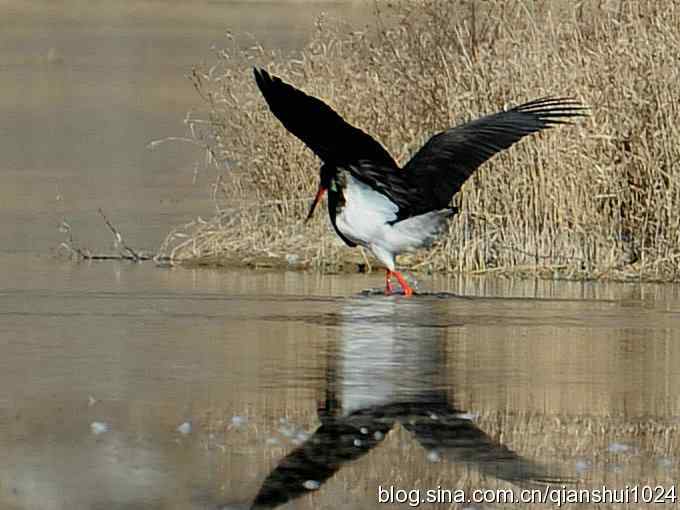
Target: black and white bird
374,203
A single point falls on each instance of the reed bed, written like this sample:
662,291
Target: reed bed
598,199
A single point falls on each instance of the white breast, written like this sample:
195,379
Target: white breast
365,214
367,217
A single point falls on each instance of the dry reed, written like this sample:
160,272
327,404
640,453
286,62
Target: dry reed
596,200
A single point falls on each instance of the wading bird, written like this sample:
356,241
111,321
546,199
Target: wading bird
374,203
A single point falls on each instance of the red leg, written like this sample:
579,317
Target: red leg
408,291
388,283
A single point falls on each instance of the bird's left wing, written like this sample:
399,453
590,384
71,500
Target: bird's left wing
325,132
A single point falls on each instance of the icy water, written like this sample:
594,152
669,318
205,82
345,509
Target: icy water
128,386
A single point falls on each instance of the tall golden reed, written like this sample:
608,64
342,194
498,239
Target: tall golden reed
599,199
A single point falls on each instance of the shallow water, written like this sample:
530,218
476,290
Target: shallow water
127,386
86,86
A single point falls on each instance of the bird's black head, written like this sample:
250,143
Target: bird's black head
326,178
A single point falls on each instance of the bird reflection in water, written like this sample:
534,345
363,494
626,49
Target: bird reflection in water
389,366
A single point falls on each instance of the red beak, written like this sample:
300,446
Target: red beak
317,198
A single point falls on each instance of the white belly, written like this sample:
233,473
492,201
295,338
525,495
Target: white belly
367,217
366,213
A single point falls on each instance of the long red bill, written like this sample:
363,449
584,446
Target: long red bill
317,198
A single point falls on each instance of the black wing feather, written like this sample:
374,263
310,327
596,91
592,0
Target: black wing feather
439,169
315,123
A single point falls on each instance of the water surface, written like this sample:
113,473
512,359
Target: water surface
127,386
87,85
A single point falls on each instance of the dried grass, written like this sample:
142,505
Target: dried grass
596,200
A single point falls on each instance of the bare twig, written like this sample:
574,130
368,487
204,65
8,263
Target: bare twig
70,245
118,238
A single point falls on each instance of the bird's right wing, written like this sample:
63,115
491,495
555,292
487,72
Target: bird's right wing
315,123
444,163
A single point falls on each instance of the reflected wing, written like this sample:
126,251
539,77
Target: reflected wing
320,457
318,126
453,437
445,162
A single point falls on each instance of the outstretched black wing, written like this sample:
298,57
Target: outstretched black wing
315,123
444,163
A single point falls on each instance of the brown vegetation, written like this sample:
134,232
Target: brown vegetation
598,199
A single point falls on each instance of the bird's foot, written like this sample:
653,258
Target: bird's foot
408,291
